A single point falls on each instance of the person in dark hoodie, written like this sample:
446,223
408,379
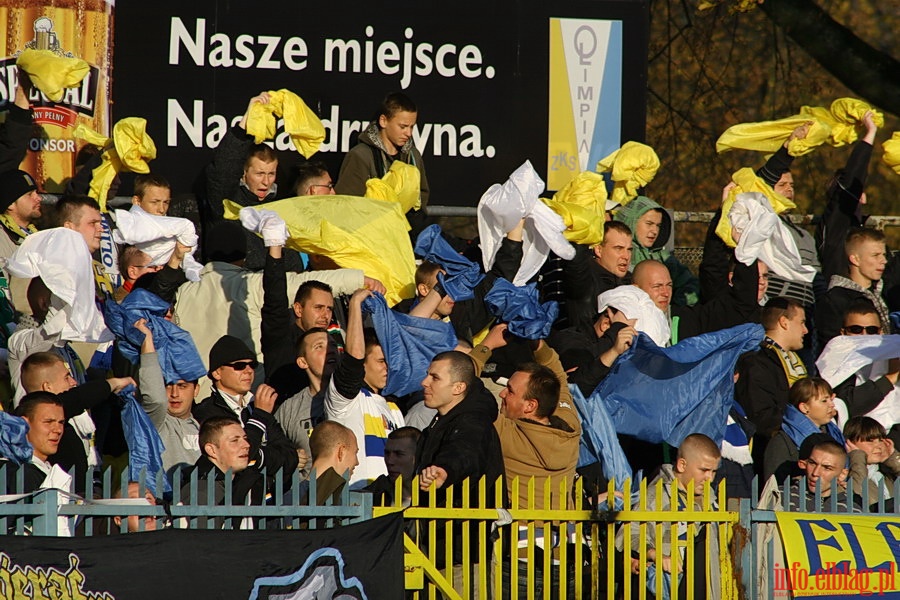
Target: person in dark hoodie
387,139
461,442
652,229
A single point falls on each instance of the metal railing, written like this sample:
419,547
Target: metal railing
547,542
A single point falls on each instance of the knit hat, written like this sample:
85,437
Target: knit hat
228,349
14,185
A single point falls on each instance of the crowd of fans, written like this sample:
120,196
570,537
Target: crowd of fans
294,375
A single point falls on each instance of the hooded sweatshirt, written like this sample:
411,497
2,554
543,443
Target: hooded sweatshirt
686,286
369,159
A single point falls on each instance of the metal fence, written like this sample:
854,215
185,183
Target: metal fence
547,542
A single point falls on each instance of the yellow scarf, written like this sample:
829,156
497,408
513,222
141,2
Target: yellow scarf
794,369
10,225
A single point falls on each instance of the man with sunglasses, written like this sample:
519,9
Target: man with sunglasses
231,369
870,391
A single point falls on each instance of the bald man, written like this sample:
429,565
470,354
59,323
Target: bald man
739,305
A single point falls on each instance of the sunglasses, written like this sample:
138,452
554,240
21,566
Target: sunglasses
859,329
241,365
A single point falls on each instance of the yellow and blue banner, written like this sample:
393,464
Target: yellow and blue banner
836,556
585,83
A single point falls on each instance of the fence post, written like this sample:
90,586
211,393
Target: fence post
47,523
747,548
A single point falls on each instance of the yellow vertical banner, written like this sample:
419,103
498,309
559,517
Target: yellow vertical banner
68,28
836,556
562,144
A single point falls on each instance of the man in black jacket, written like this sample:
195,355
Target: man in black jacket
765,376
231,365
460,443
224,447
244,172
48,372
587,276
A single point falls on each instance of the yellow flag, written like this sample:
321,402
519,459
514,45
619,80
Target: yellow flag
355,232
582,206
400,184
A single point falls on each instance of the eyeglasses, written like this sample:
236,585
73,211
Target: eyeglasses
330,186
859,329
241,365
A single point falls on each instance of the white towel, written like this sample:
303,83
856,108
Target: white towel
635,303
503,206
267,223
62,259
765,237
865,356
156,235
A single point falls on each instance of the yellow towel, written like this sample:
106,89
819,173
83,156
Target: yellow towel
132,148
747,181
51,73
399,184
301,123
355,232
769,136
835,126
582,206
844,116
892,152
632,166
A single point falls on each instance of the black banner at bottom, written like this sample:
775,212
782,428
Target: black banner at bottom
350,562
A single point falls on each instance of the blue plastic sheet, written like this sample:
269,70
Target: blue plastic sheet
175,349
409,344
145,447
462,274
665,394
13,443
520,308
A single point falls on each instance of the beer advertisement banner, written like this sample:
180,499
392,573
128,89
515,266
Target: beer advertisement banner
836,556
353,562
478,73
69,28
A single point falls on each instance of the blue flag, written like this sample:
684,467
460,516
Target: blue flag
598,439
145,447
409,344
520,308
665,394
14,444
462,274
175,349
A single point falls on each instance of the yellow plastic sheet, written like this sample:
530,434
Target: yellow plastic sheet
582,206
844,116
769,136
301,123
747,181
132,148
892,152
52,74
355,232
632,166
400,184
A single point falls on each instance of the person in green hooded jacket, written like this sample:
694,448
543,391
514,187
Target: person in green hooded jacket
652,228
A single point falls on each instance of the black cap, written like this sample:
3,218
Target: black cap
228,349
14,185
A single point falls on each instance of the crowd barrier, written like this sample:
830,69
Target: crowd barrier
541,540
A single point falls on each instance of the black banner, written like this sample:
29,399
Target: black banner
353,562
479,73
